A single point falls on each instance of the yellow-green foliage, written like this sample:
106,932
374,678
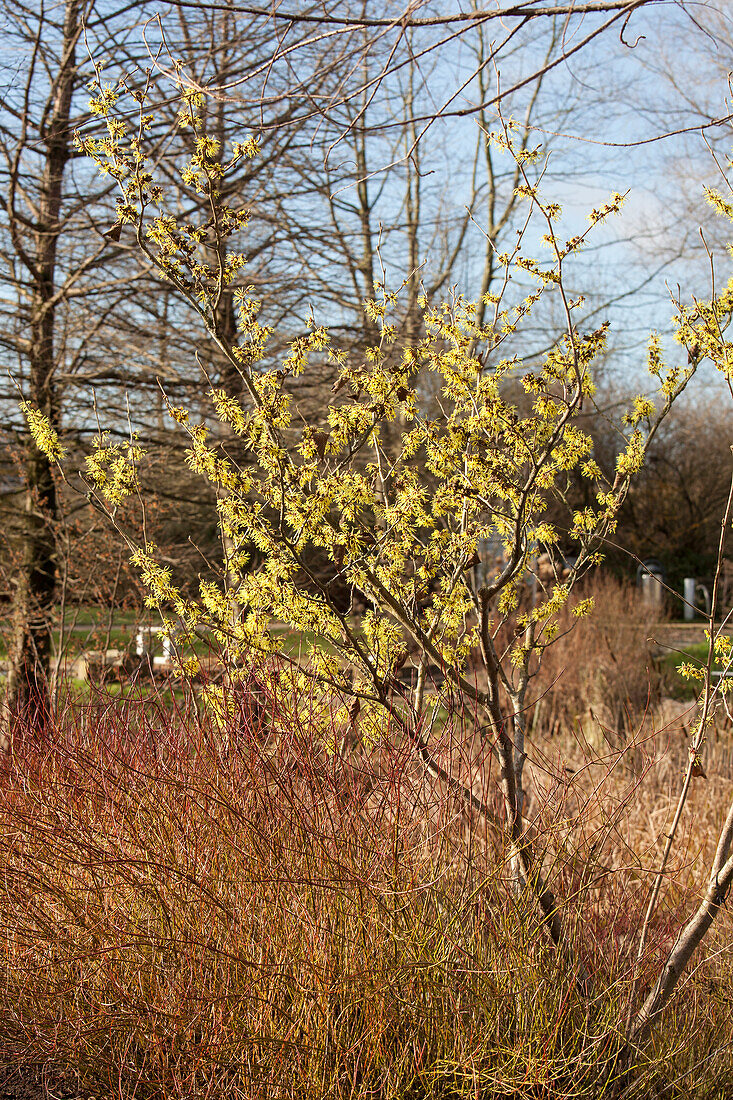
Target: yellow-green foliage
111,469
45,436
401,518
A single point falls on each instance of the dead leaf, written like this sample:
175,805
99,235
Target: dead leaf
321,439
400,661
698,772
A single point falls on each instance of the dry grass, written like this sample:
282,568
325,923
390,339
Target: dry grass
603,665
274,920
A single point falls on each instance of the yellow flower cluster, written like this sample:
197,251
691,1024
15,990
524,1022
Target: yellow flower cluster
397,490
44,435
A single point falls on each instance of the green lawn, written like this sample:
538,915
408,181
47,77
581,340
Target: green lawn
694,654
86,629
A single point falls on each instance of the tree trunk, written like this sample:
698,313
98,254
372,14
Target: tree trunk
29,697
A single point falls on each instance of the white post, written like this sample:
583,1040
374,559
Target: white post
690,584
651,590
144,641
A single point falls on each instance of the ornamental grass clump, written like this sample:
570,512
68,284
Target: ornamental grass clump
183,920
238,913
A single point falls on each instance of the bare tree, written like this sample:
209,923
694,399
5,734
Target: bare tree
76,292
35,221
